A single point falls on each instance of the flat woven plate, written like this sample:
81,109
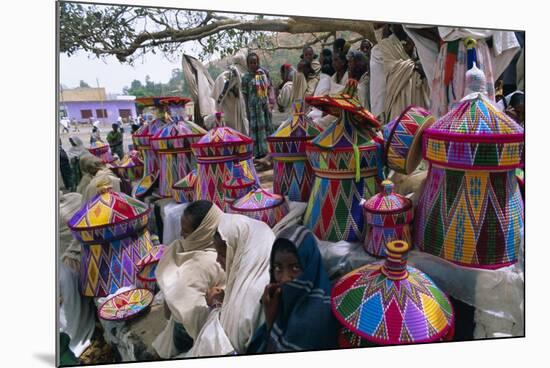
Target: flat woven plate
125,305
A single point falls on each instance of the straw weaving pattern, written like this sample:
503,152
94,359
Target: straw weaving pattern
386,311
125,305
184,190
142,142
101,150
403,141
261,205
107,267
130,167
473,218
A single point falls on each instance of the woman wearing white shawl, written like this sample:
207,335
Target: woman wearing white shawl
187,269
404,84
247,244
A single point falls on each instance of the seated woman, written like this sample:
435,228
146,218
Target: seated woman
187,269
243,246
98,172
296,302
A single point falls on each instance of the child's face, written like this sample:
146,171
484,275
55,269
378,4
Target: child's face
252,64
286,267
308,54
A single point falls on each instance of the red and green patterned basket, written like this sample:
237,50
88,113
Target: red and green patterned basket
237,185
101,150
184,190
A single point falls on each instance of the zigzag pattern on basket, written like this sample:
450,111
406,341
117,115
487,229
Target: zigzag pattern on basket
342,163
211,176
473,218
334,210
368,301
107,267
473,155
145,185
173,167
378,236
130,167
184,190
141,139
294,179
402,139
237,185
261,205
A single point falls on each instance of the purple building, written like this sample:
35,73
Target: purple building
90,104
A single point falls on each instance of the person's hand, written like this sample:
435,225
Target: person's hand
214,297
270,301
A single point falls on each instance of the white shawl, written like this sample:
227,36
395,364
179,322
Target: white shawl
187,269
230,329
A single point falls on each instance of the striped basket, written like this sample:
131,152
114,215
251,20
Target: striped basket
388,216
403,139
237,185
471,211
101,150
130,167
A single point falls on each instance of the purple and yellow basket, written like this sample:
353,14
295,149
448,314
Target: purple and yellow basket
112,228
147,266
471,211
142,142
390,303
388,216
261,205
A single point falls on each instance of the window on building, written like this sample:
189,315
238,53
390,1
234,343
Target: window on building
101,113
125,113
86,114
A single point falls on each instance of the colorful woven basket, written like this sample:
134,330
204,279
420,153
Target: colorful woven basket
389,303
101,150
403,139
237,185
145,186
344,159
216,153
146,268
126,305
292,173
142,142
261,205
130,167
112,228
388,216
184,190
471,212
172,145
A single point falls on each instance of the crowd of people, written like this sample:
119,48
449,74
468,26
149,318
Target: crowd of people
231,286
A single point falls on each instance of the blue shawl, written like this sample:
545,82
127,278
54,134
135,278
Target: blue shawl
304,318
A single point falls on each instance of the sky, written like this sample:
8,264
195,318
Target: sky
112,74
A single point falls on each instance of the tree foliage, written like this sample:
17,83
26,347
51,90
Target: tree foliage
128,32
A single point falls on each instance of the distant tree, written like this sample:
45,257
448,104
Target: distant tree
84,84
